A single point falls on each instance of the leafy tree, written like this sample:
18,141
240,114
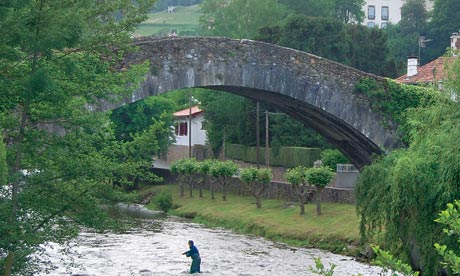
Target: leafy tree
403,37
391,264
239,18
203,175
308,7
349,11
319,177
190,169
443,23
296,176
414,17
344,10
186,169
367,45
3,164
222,123
332,157
353,45
405,190
450,217
135,157
56,59
286,131
138,116
223,171
256,179
324,37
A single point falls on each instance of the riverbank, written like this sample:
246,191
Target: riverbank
336,230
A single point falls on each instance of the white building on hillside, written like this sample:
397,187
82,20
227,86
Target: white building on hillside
182,130
378,13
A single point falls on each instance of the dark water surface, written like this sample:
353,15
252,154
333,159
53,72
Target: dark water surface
154,247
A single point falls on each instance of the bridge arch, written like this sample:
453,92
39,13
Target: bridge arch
316,91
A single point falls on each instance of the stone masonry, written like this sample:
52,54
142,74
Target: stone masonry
314,90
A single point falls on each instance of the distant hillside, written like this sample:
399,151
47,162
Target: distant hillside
184,21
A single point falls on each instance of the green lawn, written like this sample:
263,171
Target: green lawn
334,230
184,20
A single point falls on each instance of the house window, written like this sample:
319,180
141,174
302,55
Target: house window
370,24
371,12
385,13
203,125
181,129
383,25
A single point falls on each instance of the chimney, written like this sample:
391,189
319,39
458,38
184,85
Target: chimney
412,64
455,42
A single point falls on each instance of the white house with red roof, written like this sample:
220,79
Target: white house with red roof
189,127
432,72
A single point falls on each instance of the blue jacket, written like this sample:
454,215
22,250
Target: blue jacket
193,252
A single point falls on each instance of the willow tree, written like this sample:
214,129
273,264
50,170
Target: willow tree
404,191
57,59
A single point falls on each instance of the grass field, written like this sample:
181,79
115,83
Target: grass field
184,21
335,230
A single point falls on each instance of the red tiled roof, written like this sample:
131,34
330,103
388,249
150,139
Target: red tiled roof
430,72
185,112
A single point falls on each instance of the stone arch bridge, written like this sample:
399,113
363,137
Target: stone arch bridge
316,91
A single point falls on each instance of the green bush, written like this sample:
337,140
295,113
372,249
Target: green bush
332,157
164,201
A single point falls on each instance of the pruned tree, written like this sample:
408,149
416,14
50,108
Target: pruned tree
223,171
203,175
319,177
296,176
186,170
257,180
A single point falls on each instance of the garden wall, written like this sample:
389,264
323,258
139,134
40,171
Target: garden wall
275,190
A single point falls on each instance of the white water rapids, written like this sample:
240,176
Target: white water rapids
154,247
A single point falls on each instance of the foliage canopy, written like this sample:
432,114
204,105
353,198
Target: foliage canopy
57,60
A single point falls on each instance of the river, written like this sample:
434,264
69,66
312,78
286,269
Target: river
154,247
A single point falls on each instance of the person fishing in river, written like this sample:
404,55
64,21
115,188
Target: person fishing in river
195,255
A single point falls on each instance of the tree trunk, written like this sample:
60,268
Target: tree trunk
9,263
211,188
258,195
318,201
224,192
258,203
181,188
190,185
301,204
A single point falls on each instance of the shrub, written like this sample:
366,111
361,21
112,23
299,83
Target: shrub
164,201
332,157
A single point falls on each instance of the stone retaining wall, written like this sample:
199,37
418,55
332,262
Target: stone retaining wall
275,190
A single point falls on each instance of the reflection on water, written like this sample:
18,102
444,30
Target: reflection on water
154,247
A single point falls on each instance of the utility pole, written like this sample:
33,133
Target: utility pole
267,146
190,126
257,136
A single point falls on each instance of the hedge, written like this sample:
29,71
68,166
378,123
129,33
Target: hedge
288,157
